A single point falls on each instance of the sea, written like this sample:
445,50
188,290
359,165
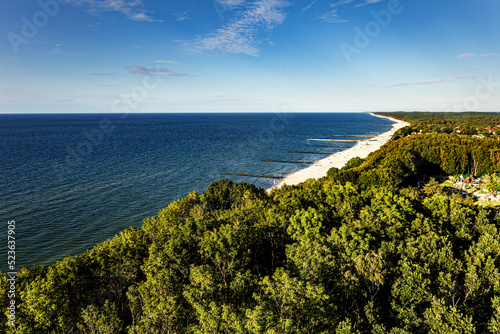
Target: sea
71,181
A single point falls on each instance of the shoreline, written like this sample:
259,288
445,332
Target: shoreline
362,149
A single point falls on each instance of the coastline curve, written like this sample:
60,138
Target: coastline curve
339,159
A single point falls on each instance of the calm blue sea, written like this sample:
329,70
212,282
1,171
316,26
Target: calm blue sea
72,181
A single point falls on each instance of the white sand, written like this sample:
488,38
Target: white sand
362,150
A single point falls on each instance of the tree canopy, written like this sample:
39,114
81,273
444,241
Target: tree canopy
359,251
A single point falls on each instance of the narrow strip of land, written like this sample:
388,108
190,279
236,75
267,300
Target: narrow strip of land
362,149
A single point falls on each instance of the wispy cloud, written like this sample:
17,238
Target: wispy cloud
470,55
340,3
166,61
418,83
240,34
150,71
178,75
305,9
428,82
231,3
330,17
133,9
367,2
181,16
55,50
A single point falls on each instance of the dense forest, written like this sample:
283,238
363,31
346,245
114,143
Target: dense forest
363,250
467,123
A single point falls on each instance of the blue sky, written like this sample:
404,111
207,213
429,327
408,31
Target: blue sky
249,55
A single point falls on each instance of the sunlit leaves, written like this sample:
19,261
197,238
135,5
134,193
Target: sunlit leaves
102,320
287,304
440,318
351,253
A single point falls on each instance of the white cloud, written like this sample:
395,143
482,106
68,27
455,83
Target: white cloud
330,17
367,2
147,70
340,3
305,9
231,3
469,55
418,83
158,70
240,34
133,9
428,82
166,61
182,16
142,16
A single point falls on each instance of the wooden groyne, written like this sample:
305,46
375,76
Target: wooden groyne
325,153
253,175
350,136
332,146
345,140
291,162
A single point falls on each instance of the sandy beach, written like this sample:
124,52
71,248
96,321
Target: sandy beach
362,149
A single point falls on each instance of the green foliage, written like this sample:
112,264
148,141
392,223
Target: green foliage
319,258
442,120
353,163
100,321
223,194
492,184
440,318
356,252
401,162
494,323
404,131
432,188
286,304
